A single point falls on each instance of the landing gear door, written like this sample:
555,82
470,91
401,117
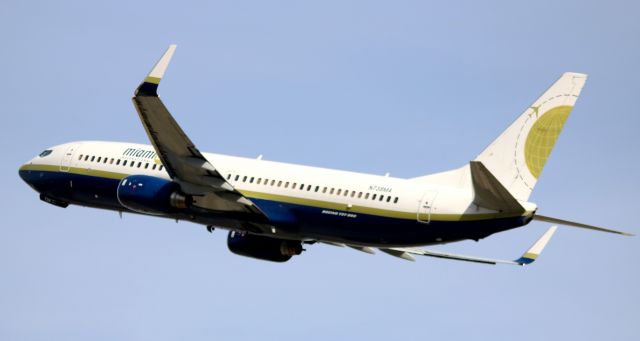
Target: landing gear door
67,158
426,206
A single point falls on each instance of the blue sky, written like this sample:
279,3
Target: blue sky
407,87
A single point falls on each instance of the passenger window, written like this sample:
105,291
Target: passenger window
80,158
153,167
346,192
86,157
133,163
373,197
146,165
111,161
251,180
366,195
139,164
286,184
99,158
339,191
324,190
353,194
293,186
124,163
228,176
331,191
301,187
388,198
317,188
273,182
93,158
161,166
279,183
359,195
381,197
117,162
395,201
237,177
105,160
259,181
244,179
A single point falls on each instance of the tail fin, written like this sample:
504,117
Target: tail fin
516,158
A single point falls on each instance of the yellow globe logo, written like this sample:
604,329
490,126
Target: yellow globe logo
542,137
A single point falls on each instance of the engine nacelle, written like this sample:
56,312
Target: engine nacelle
261,247
151,195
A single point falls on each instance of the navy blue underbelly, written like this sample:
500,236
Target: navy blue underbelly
304,222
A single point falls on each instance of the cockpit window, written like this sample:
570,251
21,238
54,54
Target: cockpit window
45,153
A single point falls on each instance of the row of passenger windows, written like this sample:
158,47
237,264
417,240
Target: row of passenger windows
118,162
315,188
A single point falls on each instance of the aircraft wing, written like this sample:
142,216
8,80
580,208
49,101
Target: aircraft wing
182,160
527,258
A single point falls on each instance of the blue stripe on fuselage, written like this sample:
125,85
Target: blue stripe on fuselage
358,228
306,222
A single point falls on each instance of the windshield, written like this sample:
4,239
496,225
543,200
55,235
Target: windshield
45,153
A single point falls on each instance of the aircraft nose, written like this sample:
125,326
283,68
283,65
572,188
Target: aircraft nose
25,172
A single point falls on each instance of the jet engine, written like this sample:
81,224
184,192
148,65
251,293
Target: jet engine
261,247
152,195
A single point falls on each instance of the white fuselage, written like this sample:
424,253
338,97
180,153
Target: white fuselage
340,195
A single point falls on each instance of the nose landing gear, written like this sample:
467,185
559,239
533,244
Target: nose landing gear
53,201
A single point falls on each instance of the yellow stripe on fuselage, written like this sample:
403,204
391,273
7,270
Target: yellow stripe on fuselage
370,210
76,170
290,199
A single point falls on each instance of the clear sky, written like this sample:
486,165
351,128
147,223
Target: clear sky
407,87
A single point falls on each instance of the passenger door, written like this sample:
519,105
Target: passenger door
426,206
67,158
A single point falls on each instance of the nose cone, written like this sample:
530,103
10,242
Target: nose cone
24,172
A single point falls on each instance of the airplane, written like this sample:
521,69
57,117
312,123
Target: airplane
273,209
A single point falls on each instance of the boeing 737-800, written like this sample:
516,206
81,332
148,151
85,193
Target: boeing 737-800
272,209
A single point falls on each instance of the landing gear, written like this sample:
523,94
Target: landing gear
54,202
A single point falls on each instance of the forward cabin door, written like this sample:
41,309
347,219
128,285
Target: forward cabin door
67,158
426,206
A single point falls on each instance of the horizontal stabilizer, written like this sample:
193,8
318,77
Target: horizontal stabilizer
527,258
489,192
574,224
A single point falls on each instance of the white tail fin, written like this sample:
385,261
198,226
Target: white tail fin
516,158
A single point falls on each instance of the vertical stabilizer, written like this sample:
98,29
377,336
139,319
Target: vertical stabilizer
516,158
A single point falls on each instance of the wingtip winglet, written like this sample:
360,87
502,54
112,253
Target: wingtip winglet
149,86
536,249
